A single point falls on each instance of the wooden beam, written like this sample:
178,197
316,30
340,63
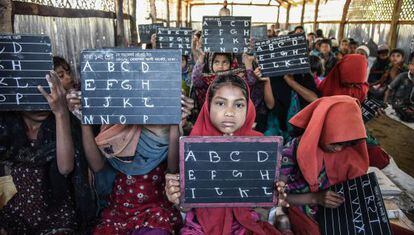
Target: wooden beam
235,4
120,34
287,16
343,19
179,10
133,23
6,13
26,8
168,13
303,12
277,20
153,11
315,19
394,24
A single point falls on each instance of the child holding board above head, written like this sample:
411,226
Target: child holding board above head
209,65
228,111
37,147
130,162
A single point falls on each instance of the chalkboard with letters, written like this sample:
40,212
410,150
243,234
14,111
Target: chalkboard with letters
147,30
259,32
370,107
229,171
230,34
175,38
363,211
131,86
283,55
24,62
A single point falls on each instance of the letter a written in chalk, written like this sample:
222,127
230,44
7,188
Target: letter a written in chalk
190,154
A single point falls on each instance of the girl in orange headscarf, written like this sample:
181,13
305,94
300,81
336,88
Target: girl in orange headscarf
228,110
324,154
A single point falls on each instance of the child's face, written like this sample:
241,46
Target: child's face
352,48
338,147
396,58
411,66
228,109
36,116
344,47
65,78
325,48
221,63
383,55
339,56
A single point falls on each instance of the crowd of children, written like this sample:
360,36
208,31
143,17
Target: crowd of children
63,177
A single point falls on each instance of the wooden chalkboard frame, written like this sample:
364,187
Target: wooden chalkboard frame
222,139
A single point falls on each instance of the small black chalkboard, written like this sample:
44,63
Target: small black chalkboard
229,34
131,86
283,55
175,38
229,171
370,107
147,30
259,32
363,211
24,62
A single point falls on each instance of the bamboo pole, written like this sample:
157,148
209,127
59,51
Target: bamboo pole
394,24
6,25
120,33
133,24
287,16
343,19
303,12
315,21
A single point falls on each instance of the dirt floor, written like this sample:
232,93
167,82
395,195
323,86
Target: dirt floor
397,140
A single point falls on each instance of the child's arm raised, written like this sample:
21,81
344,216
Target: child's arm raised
306,94
65,152
95,159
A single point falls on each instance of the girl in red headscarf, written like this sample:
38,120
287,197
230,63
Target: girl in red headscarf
228,111
349,77
323,155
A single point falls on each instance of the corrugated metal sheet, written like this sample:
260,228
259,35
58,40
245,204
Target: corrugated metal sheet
69,36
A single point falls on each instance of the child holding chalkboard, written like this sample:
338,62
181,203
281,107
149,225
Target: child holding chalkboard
38,148
228,111
130,162
323,155
209,65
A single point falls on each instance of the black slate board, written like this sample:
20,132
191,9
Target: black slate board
226,34
146,30
142,86
363,211
370,107
283,55
259,32
24,62
175,38
229,171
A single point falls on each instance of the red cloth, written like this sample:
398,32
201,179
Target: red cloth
139,202
378,157
352,69
220,220
331,120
